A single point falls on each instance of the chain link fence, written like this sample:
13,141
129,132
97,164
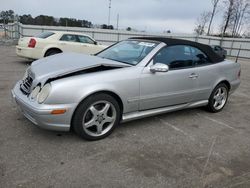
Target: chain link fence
232,45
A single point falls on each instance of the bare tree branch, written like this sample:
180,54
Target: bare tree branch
215,4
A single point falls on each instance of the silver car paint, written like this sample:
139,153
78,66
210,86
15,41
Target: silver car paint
142,92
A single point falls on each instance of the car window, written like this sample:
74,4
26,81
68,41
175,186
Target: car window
85,39
218,48
45,35
199,57
176,57
69,38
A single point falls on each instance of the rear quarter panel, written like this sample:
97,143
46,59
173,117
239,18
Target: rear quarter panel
211,75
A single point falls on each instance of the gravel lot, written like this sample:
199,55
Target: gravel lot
189,148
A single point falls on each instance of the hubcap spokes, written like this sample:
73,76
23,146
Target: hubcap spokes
99,118
220,98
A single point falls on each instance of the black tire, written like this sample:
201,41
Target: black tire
211,103
52,52
84,108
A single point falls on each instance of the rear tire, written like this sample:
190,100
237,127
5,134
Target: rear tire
218,98
96,117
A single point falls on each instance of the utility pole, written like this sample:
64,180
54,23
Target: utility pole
117,23
109,12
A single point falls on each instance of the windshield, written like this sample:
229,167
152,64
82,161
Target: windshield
129,51
45,35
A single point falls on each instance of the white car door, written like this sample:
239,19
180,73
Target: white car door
88,46
69,43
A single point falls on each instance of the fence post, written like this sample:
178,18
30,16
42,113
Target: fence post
18,30
232,44
118,37
196,38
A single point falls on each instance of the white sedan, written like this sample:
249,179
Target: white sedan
54,42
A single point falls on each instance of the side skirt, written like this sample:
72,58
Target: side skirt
147,113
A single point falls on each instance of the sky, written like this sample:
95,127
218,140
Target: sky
178,16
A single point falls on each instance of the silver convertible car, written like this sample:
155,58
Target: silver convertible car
132,79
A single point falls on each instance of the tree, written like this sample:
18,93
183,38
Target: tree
128,29
202,22
228,14
235,17
215,4
26,19
104,26
6,16
241,9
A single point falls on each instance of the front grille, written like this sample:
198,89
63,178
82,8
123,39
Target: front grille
26,84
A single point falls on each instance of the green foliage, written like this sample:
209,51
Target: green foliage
6,16
129,29
104,26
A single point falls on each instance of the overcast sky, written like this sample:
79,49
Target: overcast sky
179,16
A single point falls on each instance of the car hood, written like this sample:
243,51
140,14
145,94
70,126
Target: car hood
67,63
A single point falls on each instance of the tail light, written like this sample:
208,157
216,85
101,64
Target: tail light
32,43
239,73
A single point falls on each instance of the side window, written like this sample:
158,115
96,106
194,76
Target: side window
176,57
69,38
85,39
217,48
200,58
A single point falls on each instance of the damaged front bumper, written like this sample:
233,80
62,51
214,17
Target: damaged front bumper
40,114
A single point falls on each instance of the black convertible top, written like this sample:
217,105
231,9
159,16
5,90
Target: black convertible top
214,57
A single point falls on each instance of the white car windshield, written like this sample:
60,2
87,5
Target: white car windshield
129,51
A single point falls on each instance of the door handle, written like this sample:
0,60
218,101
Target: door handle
193,76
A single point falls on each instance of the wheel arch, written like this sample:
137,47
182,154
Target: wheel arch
227,83
50,49
111,93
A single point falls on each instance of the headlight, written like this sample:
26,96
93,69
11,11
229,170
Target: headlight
35,92
42,96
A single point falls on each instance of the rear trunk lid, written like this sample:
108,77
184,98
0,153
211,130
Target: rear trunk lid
24,41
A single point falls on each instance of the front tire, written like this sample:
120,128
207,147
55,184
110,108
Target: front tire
96,117
218,98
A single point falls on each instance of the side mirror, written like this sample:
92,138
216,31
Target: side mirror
95,43
159,67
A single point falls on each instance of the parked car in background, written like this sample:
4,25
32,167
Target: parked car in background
219,50
132,79
54,42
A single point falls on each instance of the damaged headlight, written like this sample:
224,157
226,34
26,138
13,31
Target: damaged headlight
44,93
35,92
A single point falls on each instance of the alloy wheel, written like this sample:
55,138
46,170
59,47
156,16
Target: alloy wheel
99,118
220,98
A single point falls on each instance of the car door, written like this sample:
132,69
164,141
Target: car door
88,46
207,72
69,43
174,87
